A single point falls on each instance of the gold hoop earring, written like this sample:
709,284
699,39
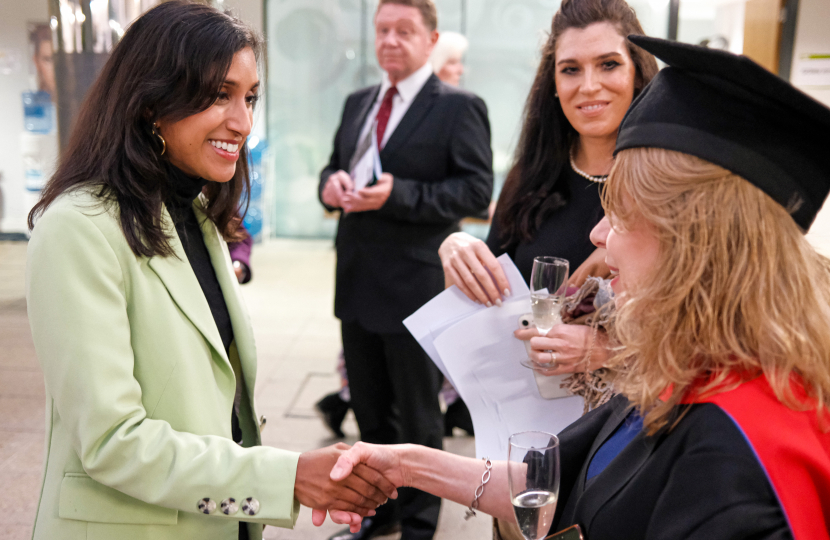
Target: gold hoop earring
163,142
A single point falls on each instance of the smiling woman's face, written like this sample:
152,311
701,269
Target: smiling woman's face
594,78
207,144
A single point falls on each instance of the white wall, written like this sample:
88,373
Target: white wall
250,11
14,40
812,36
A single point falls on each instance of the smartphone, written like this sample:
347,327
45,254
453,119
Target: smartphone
571,533
549,387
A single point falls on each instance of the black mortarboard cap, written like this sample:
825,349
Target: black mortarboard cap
730,111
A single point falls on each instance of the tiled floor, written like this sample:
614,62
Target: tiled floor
290,302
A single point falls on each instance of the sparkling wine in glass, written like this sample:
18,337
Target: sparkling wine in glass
548,283
533,476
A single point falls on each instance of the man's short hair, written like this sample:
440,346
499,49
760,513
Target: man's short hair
426,7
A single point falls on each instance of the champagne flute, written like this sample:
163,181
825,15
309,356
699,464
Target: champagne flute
548,283
533,477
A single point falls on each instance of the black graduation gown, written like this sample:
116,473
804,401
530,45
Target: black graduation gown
699,481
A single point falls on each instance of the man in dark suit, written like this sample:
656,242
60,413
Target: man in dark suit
433,143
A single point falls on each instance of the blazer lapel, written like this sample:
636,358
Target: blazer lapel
181,283
416,113
607,430
240,320
616,475
357,126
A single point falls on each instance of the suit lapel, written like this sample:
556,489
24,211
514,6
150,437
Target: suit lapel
607,430
240,320
617,474
416,113
181,283
357,126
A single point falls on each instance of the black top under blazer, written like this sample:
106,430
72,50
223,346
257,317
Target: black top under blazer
699,481
441,161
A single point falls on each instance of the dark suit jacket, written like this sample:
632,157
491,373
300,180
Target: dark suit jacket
700,481
440,158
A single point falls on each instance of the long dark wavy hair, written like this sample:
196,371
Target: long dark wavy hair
170,64
535,186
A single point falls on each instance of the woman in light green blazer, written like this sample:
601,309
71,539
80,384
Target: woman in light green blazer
145,344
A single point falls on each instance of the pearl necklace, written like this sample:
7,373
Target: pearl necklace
596,179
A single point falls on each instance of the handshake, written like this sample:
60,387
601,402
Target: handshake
348,482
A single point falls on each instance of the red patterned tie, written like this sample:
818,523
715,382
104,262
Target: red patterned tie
384,112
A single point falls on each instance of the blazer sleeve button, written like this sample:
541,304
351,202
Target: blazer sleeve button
250,506
206,506
229,506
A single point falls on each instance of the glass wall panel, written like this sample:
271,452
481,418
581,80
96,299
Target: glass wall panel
313,64
319,51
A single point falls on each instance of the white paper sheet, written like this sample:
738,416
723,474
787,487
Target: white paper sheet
450,306
474,348
368,168
482,357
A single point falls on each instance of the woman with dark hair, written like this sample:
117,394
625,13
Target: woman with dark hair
145,344
586,80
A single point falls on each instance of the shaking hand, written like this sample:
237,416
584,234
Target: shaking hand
347,499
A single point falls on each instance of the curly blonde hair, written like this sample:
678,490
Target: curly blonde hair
737,290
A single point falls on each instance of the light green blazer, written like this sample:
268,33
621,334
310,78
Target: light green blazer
139,389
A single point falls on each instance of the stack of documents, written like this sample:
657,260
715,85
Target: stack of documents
474,348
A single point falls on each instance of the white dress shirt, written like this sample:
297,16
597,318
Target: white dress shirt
407,90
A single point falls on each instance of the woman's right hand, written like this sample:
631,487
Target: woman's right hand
360,493
471,266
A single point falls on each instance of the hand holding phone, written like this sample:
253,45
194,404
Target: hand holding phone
548,386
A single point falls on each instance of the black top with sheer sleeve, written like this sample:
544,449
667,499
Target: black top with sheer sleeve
564,233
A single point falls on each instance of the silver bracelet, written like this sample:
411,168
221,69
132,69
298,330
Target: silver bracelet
471,510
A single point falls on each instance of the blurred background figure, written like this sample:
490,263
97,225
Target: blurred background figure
447,57
241,256
334,407
446,60
41,38
38,140
411,158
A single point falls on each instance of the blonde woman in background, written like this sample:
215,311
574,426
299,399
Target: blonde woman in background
447,56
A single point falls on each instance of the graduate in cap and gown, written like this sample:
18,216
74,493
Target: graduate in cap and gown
721,428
